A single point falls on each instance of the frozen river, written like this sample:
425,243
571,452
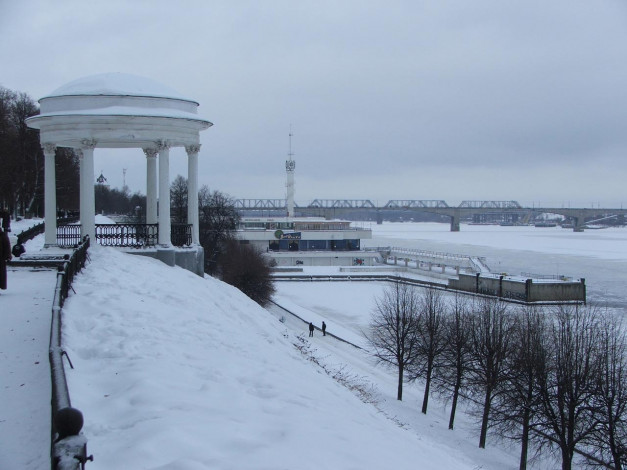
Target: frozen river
599,256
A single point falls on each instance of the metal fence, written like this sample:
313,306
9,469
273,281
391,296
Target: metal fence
68,447
125,235
68,235
181,234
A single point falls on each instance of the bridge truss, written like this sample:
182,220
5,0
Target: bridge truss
280,204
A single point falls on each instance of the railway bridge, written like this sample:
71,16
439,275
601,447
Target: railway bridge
331,208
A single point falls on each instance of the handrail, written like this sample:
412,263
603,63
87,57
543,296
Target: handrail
293,277
131,235
417,252
68,448
38,229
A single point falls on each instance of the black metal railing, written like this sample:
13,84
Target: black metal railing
125,235
30,233
38,229
181,234
68,235
68,448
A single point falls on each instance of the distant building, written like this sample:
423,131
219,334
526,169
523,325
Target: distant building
307,241
101,180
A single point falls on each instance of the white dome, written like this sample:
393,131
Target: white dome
117,110
117,84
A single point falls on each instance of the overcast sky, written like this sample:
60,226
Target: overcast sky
454,100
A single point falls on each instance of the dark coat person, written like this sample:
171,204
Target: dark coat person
311,329
324,329
6,221
5,256
18,249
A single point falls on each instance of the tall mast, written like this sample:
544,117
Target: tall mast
290,166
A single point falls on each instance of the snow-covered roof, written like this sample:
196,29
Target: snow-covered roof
117,84
117,110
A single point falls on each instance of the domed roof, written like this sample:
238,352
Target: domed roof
117,84
117,110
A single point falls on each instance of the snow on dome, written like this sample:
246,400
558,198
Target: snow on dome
117,110
117,84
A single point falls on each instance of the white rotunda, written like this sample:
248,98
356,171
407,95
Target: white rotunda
116,110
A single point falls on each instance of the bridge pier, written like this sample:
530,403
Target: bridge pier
578,223
455,222
379,217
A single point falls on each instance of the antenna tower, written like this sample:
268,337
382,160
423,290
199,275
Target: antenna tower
290,166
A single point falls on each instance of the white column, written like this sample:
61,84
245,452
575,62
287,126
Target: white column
50,195
88,200
192,191
165,226
151,185
81,185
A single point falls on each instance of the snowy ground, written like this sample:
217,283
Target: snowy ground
174,371
25,391
25,309
179,372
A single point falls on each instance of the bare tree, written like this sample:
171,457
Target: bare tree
22,161
116,201
68,182
244,267
178,199
430,339
568,380
455,357
490,341
517,410
393,329
21,157
609,437
218,221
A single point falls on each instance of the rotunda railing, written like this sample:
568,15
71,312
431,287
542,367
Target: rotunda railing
125,235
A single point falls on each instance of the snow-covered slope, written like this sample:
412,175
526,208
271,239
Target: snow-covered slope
179,372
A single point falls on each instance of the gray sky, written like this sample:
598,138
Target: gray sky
452,100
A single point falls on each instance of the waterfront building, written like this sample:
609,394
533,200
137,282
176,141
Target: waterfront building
307,241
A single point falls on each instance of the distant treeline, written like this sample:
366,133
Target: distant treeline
22,161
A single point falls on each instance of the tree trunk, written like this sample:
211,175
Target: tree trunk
566,458
612,440
524,440
458,381
399,393
425,400
524,448
484,420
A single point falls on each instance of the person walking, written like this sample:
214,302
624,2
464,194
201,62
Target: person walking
5,257
324,329
311,329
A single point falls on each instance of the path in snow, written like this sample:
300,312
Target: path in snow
25,309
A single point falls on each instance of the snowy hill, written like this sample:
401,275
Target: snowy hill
179,372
